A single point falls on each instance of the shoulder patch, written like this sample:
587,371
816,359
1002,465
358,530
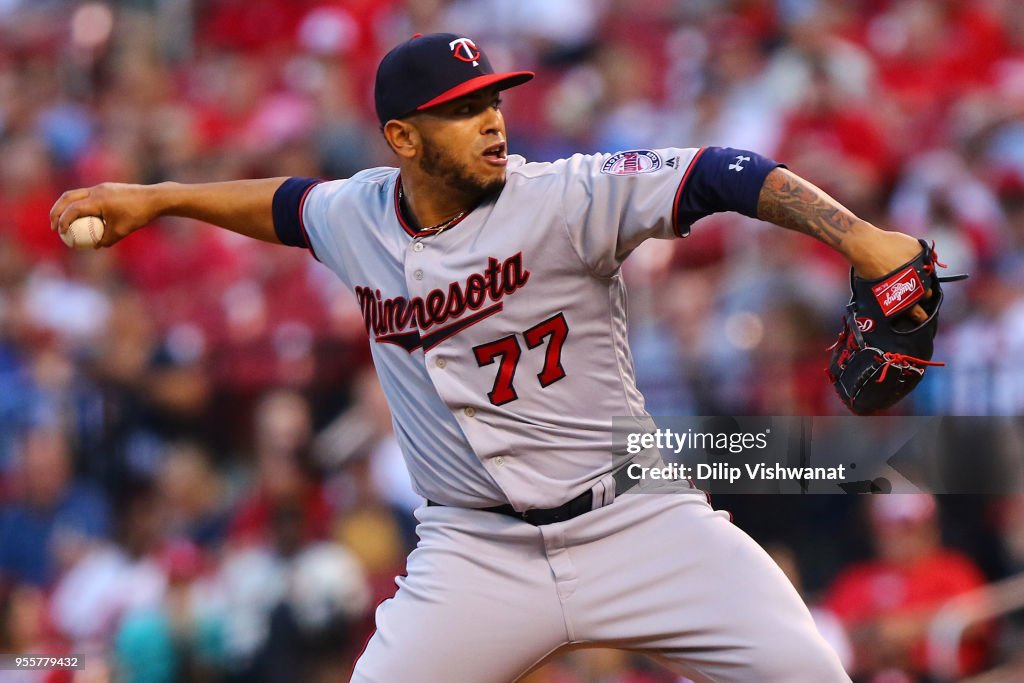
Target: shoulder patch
633,162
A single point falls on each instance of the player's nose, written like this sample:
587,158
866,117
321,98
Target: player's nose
492,122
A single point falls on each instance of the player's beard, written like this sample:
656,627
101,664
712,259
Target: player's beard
443,166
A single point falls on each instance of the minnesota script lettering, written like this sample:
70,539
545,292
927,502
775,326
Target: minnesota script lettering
388,319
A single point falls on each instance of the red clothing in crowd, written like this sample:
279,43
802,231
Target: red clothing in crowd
26,220
876,589
254,520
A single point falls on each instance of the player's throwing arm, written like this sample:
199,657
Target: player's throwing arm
242,206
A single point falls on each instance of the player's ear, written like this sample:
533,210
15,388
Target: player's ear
403,137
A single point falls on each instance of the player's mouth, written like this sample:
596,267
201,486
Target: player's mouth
496,154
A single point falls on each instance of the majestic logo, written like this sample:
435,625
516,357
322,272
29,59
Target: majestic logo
865,324
898,292
738,166
633,162
388,319
465,50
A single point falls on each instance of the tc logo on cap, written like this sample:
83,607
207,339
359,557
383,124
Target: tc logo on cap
465,50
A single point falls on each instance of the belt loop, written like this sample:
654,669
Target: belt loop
612,485
603,492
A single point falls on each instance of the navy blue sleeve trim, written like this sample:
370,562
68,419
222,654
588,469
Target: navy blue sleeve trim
721,179
287,211
683,229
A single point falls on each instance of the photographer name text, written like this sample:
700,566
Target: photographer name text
723,471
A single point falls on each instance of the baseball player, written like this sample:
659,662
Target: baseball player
492,298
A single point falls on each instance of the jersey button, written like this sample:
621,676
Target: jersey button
418,246
499,461
418,275
469,411
441,362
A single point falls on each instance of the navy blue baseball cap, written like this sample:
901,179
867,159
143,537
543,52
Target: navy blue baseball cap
428,70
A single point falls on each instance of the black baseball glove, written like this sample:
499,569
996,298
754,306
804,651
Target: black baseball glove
881,353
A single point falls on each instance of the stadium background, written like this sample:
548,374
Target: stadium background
197,475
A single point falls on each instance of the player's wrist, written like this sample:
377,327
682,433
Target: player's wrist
873,252
163,199
862,245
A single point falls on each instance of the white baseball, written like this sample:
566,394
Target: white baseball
84,233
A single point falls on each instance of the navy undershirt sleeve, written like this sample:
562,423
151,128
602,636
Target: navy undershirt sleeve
287,211
722,179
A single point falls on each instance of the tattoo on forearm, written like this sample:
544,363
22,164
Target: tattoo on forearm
791,202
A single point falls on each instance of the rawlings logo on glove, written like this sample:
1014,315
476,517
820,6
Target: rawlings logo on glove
881,354
899,292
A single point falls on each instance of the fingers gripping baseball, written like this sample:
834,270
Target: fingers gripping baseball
123,209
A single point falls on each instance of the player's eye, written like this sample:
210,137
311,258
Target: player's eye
474,107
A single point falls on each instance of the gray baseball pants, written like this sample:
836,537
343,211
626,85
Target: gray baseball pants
487,597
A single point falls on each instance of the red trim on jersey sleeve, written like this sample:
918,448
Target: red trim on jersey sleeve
676,227
302,222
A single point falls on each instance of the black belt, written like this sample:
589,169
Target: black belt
579,505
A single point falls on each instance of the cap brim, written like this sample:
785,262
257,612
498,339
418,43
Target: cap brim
503,81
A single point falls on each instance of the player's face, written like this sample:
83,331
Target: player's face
463,143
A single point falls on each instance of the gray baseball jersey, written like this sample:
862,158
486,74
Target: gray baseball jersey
501,345
501,341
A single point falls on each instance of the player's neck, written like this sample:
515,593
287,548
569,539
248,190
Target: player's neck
432,203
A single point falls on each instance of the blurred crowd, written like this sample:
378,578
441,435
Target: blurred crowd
197,473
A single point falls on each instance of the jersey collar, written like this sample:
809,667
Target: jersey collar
409,225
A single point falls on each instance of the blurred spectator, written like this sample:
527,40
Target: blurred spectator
886,603
26,191
981,380
24,629
53,519
939,196
113,580
837,141
287,497
196,495
288,606
737,105
364,430
376,522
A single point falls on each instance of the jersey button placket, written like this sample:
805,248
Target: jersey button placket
417,276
